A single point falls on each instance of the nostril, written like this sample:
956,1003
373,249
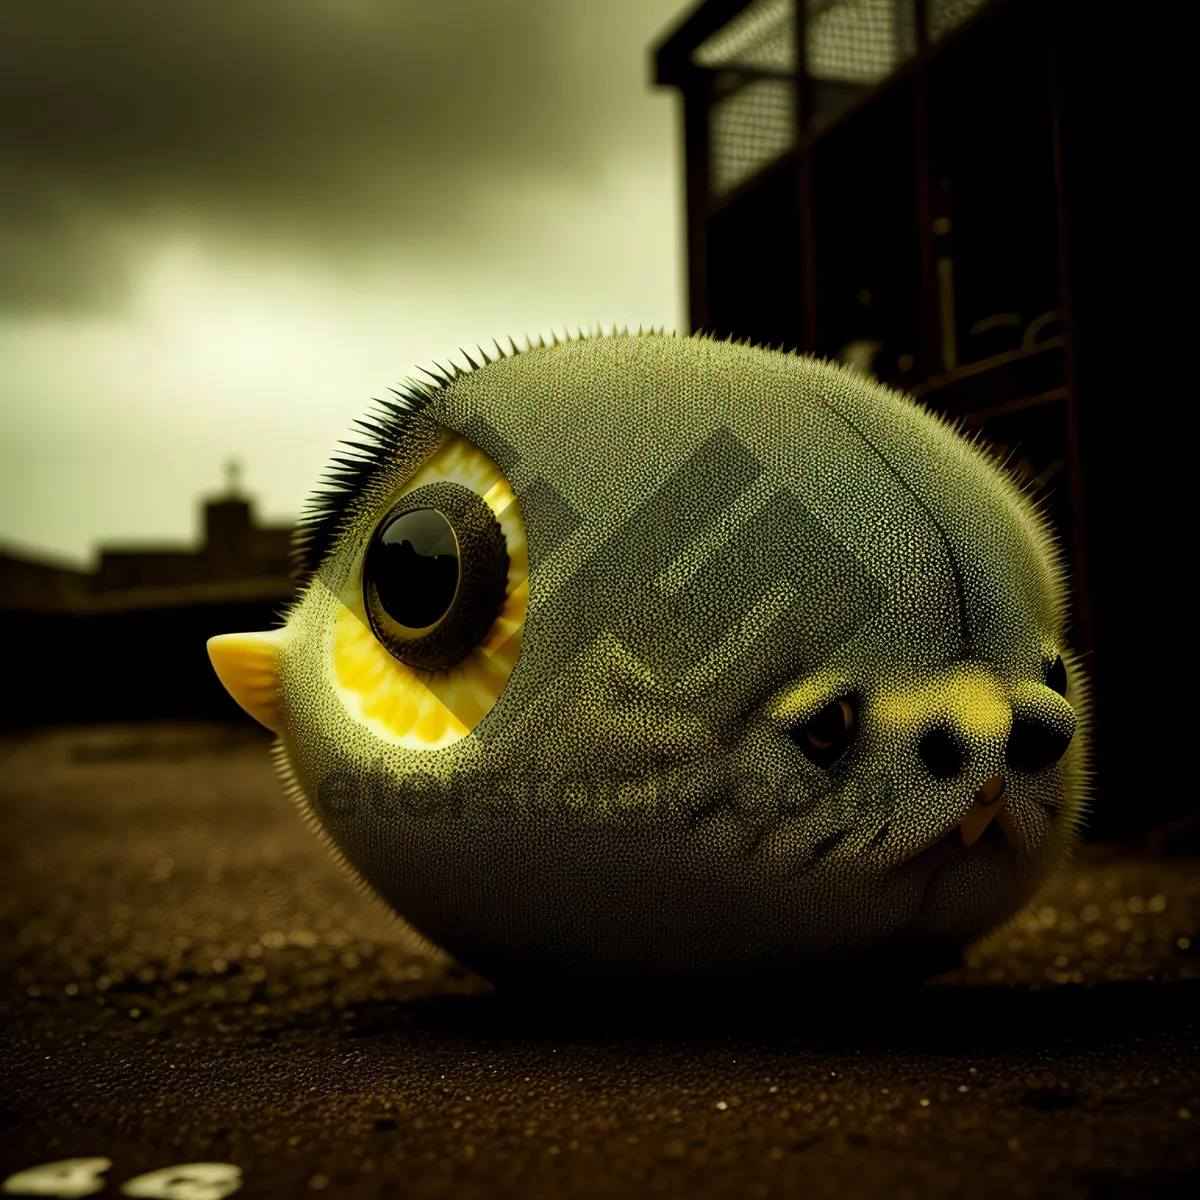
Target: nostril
941,754
1034,745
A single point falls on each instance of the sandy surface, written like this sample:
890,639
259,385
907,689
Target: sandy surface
185,975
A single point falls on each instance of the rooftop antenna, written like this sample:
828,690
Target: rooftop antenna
233,472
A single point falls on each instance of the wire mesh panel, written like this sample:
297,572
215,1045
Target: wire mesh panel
752,120
749,129
762,36
850,46
859,41
944,15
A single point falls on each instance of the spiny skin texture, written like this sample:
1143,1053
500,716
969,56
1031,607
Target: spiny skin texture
722,539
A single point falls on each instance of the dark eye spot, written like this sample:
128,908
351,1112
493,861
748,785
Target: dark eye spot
435,576
1056,676
827,735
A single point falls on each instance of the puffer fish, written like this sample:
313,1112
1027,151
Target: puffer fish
656,655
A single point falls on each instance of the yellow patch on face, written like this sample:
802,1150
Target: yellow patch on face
802,699
429,710
976,700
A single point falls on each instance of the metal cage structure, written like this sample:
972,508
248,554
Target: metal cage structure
903,185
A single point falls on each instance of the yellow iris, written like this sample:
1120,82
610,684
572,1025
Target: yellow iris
427,710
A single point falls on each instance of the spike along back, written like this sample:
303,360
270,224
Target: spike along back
645,655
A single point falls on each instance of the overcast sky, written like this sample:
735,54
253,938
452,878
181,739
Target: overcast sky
226,224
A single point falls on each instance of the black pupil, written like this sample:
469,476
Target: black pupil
416,568
829,725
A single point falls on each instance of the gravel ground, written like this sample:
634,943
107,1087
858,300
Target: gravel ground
185,975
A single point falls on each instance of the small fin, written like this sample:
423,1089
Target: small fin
248,666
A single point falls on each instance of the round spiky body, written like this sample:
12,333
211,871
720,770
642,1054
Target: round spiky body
709,543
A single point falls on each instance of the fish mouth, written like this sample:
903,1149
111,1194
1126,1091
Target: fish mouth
985,822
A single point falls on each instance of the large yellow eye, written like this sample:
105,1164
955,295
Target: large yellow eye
434,577
427,640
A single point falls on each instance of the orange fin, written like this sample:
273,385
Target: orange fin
248,665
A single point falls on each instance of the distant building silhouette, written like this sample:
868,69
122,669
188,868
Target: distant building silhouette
127,641
238,560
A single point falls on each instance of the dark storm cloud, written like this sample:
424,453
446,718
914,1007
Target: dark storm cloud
326,127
